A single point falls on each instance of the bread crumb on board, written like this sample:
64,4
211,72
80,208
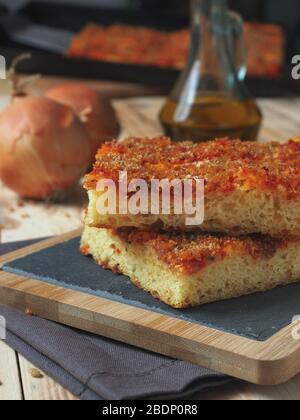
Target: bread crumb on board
35,373
29,312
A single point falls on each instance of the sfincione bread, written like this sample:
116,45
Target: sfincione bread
249,187
187,270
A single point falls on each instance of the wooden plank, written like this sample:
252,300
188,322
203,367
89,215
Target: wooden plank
40,388
10,388
139,117
25,219
272,362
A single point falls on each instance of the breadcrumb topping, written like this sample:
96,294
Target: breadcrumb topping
225,165
192,253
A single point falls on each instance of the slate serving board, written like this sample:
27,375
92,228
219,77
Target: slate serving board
257,317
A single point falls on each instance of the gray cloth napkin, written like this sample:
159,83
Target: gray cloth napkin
95,368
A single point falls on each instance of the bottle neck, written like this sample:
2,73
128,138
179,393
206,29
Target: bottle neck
208,7
212,44
216,64
210,22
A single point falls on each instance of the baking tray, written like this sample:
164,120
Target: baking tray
73,18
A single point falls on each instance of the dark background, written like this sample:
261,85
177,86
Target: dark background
284,12
163,14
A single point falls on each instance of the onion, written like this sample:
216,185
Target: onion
43,147
95,110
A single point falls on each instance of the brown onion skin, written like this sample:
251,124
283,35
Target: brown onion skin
102,124
43,147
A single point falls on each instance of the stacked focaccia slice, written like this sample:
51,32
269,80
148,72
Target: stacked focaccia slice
251,211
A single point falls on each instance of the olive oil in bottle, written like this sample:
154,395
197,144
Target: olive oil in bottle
212,117
210,99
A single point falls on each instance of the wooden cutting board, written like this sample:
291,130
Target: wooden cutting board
269,362
273,361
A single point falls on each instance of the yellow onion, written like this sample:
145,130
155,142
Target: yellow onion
95,110
43,147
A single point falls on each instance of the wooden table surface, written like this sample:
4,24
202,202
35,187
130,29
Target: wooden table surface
21,219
